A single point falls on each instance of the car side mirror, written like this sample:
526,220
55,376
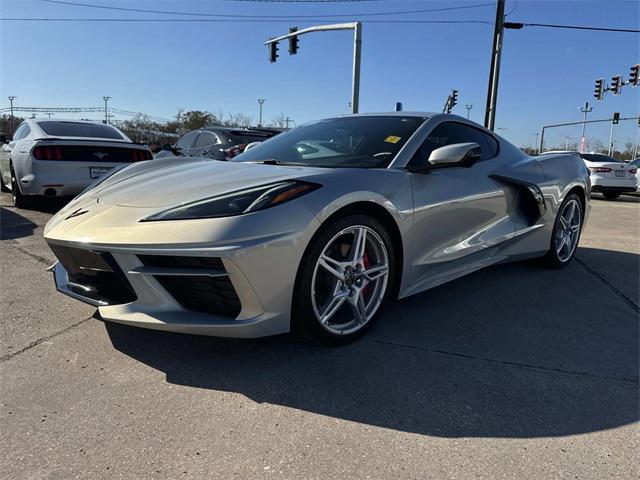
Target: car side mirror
455,155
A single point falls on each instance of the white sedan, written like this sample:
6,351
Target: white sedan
55,158
609,176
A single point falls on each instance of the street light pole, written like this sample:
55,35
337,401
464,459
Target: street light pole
260,101
566,143
586,109
106,110
468,107
11,99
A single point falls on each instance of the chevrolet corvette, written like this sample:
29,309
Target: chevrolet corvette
314,230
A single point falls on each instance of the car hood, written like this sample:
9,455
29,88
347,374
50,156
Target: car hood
176,181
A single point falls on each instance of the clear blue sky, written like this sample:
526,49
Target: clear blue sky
157,68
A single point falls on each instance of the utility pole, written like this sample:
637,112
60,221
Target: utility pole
106,110
293,35
494,72
635,150
468,107
287,120
614,121
586,109
536,143
11,99
260,102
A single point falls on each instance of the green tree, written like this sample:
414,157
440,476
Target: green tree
195,119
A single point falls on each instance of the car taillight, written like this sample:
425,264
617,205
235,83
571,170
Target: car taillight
599,169
140,155
235,150
633,171
47,153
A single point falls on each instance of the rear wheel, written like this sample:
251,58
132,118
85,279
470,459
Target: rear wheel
566,232
345,278
610,195
19,200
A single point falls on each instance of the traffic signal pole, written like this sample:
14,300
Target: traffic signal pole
357,51
494,72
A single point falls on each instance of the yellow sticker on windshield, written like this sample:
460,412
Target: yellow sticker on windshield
392,139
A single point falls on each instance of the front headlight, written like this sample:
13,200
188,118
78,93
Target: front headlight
238,203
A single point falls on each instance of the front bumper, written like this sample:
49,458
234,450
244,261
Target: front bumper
259,254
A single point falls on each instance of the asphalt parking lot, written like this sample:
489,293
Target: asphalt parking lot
516,371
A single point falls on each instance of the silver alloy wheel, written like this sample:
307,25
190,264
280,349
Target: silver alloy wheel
350,280
568,230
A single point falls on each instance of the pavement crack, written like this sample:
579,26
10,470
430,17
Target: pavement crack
611,286
46,338
633,381
39,258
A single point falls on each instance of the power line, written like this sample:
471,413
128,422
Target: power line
233,20
519,25
229,15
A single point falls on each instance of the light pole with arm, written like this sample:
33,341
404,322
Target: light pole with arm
294,33
586,109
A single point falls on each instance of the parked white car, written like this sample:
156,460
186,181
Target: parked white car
55,158
609,176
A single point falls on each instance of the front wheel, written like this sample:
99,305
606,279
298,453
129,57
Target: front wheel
566,232
610,195
345,278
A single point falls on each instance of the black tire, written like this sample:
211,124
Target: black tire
304,320
610,195
552,258
18,199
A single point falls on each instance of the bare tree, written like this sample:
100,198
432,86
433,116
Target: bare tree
280,121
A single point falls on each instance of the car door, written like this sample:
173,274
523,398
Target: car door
459,212
207,145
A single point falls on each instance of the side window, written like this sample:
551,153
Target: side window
206,139
186,142
22,131
448,133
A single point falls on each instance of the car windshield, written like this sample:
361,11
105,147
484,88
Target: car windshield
360,142
79,129
599,157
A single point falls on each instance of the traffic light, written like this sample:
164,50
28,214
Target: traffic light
273,51
293,41
633,75
454,98
616,84
616,118
599,89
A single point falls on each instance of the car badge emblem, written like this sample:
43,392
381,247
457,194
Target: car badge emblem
100,155
76,213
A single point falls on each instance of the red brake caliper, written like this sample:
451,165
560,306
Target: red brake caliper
365,263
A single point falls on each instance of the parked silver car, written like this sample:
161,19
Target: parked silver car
59,157
315,229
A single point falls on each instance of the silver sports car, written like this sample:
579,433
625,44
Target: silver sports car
316,229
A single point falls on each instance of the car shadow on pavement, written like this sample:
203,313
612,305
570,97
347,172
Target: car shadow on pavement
513,351
14,225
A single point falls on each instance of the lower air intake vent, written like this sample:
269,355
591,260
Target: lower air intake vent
201,293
